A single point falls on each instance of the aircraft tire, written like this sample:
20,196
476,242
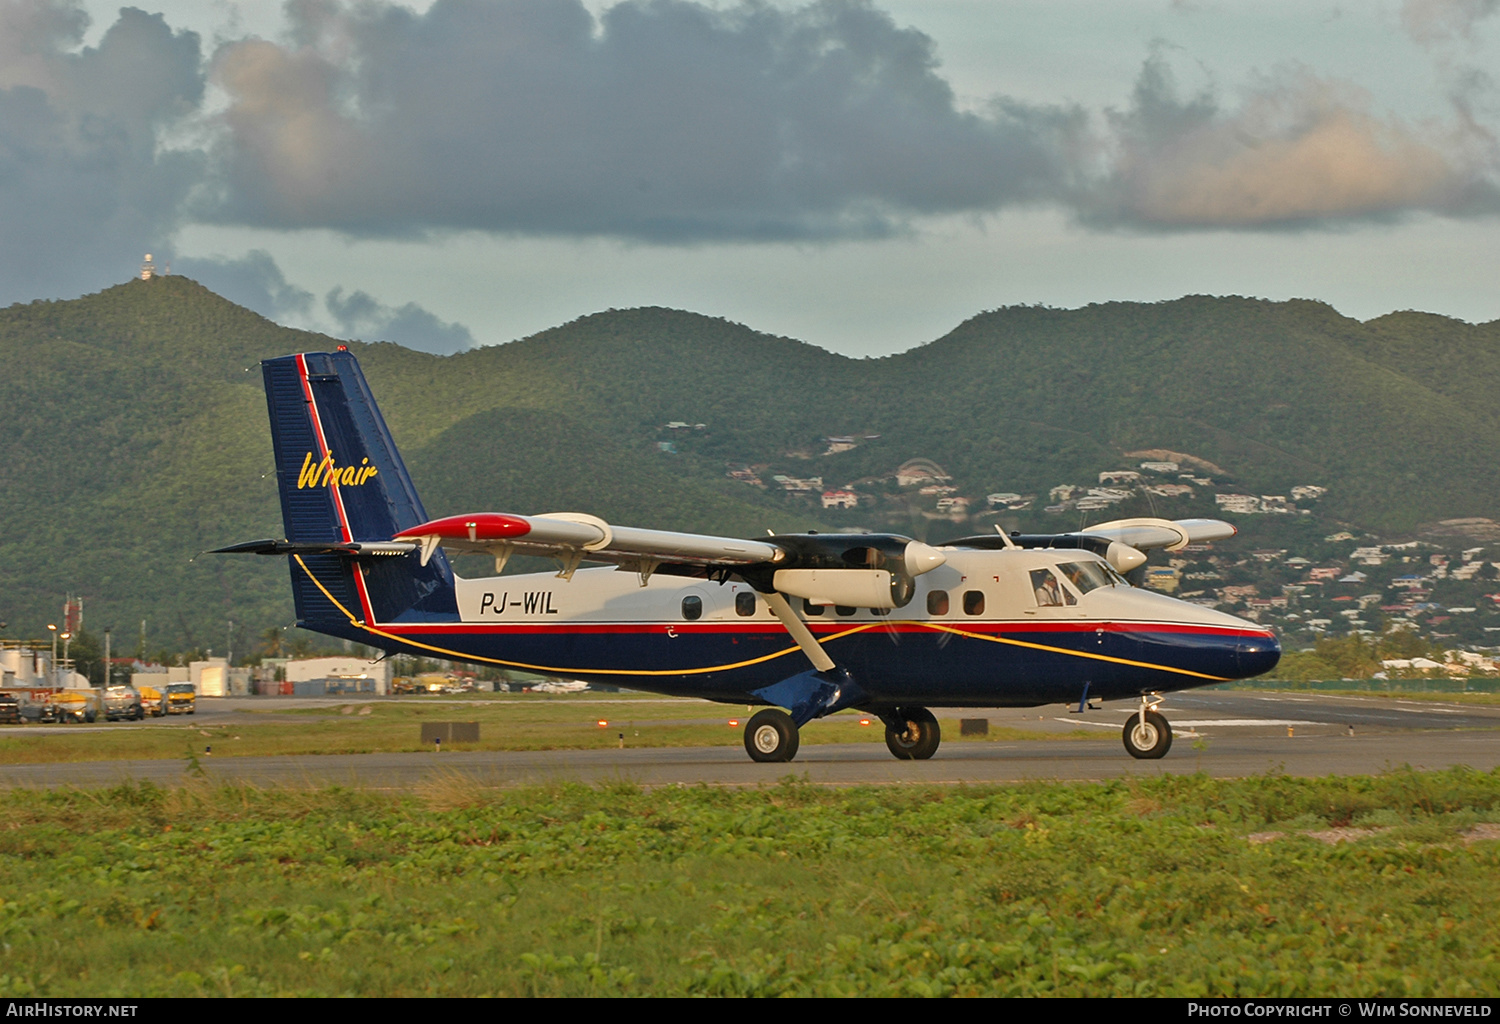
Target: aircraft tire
771,736
919,740
1149,741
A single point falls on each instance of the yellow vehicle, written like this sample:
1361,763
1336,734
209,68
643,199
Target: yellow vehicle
182,699
75,706
151,701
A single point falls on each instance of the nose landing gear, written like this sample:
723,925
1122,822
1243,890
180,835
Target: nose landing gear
1147,734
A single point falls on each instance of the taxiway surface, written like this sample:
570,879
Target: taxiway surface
1221,733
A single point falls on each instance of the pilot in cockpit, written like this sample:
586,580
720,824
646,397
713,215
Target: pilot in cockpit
1048,593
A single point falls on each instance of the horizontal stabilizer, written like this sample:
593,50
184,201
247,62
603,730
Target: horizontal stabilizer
282,547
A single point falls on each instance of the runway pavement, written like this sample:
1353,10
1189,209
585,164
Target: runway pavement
1220,733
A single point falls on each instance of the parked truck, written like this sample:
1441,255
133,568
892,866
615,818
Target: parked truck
122,702
181,699
151,701
76,705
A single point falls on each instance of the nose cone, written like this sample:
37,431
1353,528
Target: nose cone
1257,655
920,558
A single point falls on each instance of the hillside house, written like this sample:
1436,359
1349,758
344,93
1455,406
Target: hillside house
840,499
1163,578
915,472
1243,504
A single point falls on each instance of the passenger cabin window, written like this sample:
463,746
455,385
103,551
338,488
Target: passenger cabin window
1049,593
744,603
808,608
880,611
937,602
692,607
843,609
973,602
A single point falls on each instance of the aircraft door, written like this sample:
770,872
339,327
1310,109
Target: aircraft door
1057,601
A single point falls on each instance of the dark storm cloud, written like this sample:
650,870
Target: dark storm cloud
85,189
663,121
360,316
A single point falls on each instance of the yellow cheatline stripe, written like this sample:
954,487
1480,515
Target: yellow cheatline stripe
1077,654
552,669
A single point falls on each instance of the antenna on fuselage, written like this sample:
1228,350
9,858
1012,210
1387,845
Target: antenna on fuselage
1009,541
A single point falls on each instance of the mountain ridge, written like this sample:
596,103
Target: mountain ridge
134,431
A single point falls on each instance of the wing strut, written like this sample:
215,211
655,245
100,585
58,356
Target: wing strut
799,631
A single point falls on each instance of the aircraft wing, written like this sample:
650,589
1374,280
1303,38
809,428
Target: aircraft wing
573,536
1172,534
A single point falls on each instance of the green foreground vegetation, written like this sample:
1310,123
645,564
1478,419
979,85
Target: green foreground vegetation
1161,886
505,723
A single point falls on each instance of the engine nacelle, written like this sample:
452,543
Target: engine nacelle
852,588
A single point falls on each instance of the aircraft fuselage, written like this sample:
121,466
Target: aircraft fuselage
978,632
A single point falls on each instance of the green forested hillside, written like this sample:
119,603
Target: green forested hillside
133,432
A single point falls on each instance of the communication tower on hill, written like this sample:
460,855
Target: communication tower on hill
148,269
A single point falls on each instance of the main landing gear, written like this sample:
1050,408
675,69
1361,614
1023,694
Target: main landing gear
912,734
1147,734
771,736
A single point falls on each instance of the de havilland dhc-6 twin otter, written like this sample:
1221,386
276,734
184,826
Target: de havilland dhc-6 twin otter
891,626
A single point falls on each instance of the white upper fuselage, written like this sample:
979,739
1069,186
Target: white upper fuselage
1002,580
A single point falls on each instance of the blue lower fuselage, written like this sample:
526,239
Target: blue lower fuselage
967,664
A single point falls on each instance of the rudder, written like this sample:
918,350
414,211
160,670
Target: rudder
341,479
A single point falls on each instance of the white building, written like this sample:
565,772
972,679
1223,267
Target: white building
352,669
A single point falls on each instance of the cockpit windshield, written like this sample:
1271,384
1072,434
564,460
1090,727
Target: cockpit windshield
1088,576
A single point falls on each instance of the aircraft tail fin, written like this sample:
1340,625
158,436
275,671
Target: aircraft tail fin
342,481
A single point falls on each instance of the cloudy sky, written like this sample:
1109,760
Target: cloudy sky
860,175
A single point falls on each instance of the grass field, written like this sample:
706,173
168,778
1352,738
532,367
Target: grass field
505,723
1167,886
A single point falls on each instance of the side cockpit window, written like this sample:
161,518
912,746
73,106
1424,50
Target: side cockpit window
1049,592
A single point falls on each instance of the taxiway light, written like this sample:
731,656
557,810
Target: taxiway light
864,721
734,722
603,723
